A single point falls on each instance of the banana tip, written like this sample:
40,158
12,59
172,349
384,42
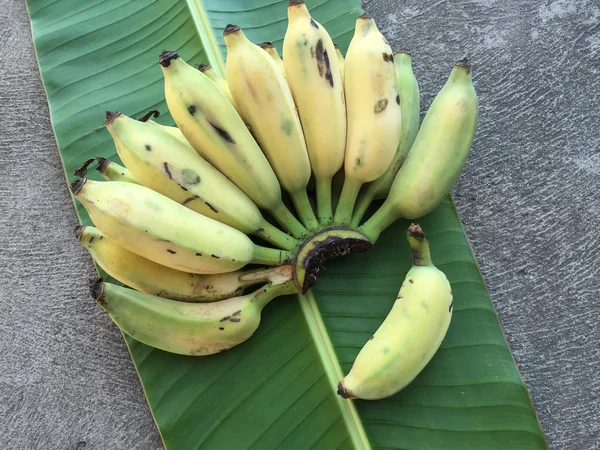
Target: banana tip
97,290
166,57
464,63
81,171
102,164
77,185
230,28
365,16
343,392
203,67
111,116
415,231
296,2
403,52
79,231
267,44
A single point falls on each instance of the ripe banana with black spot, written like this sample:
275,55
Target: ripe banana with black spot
437,156
160,229
147,276
410,106
213,127
195,329
265,103
272,52
163,163
313,74
411,333
374,114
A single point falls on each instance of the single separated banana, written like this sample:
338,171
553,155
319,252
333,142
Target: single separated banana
411,333
313,73
163,163
265,103
147,276
437,156
161,230
110,170
410,106
219,81
195,329
272,52
374,112
216,131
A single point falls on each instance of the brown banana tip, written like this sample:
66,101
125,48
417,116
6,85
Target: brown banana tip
111,116
267,44
80,172
102,164
336,46
166,57
152,113
464,63
342,392
77,185
97,289
295,2
230,29
403,52
203,67
365,16
415,231
79,231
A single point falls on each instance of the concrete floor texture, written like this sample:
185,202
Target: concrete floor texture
529,198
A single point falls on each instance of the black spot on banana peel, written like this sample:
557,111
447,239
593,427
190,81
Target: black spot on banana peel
323,63
212,207
167,171
314,24
381,105
398,99
81,171
388,57
224,134
166,57
192,109
190,199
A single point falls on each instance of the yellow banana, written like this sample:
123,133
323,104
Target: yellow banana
214,128
374,112
340,58
265,103
272,51
313,73
410,106
195,329
437,156
219,81
163,163
147,276
160,229
411,333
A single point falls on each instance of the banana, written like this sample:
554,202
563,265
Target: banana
219,81
110,170
163,163
340,58
214,128
374,114
411,333
410,107
146,276
161,230
272,51
265,103
437,156
194,329
313,74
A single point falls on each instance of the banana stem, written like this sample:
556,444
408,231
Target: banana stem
363,203
263,296
324,209
419,246
383,218
304,210
276,237
287,220
343,212
275,275
271,256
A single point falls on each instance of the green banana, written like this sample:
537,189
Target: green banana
410,107
195,329
147,276
216,131
411,333
160,229
163,163
437,156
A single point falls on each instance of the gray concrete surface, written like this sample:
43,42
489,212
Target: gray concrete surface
529,198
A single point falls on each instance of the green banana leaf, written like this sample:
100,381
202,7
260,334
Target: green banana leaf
278,390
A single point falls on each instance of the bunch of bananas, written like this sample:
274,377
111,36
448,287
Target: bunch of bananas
174,223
